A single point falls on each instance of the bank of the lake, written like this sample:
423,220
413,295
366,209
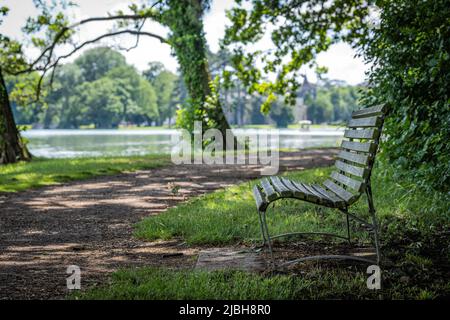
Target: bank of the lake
44,172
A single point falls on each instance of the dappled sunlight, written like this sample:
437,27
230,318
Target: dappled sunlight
90,223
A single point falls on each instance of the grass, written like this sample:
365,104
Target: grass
229,216
154,283
415,244
44,172
318,283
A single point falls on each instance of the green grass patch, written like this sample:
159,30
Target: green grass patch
43,172
229,216
154,283
317,283
415,243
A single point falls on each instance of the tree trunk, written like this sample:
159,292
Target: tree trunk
184,19
12,148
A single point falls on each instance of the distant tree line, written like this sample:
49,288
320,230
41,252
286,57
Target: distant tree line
101,89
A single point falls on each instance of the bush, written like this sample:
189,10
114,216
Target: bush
410,54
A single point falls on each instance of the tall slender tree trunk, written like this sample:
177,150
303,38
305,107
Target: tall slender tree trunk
12,148
189,43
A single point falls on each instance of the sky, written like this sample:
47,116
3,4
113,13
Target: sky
339,59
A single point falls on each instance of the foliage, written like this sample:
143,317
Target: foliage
96,63
166,85
332,103
98,88
299,31
410,53
407,44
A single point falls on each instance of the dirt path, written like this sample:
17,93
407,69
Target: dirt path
89,223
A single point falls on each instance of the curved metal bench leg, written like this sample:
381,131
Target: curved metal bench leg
374,222
268,239
348,227
263,233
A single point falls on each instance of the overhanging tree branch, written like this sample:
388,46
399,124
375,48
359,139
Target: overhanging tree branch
52,66
49,50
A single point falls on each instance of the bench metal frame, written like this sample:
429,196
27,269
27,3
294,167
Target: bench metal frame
371,227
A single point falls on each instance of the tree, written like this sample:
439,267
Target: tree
96,63
103,103
154,69
408,46
62,111
410,52
164,84
147,102
184,19
300,31
67,110
187,38
12,147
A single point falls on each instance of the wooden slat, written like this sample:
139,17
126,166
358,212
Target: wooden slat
268,190
365,122
280,187
369,147
354,157
347,181
353,170
309,196
369,112
335,200
361,134
339,191
259,198
297,193
314,192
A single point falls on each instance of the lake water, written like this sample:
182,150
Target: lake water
92,143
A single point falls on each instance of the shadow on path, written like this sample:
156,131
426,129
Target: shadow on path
89,223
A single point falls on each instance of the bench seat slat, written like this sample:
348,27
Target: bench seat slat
371,133
368,147
360,172
331,197
312,191
280,187
365,122
369,112
309,195
259,198
339,191
347,181
354,157
268,190
297,193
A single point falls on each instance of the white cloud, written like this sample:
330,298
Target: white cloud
339,59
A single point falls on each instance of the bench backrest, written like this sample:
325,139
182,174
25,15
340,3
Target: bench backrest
357,155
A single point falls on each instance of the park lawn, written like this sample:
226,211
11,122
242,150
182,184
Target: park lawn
415,242
44,172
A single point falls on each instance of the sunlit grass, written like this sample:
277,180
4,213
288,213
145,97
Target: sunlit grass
43,172
413,228
229,216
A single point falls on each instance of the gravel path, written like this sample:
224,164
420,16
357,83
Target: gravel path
89,223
